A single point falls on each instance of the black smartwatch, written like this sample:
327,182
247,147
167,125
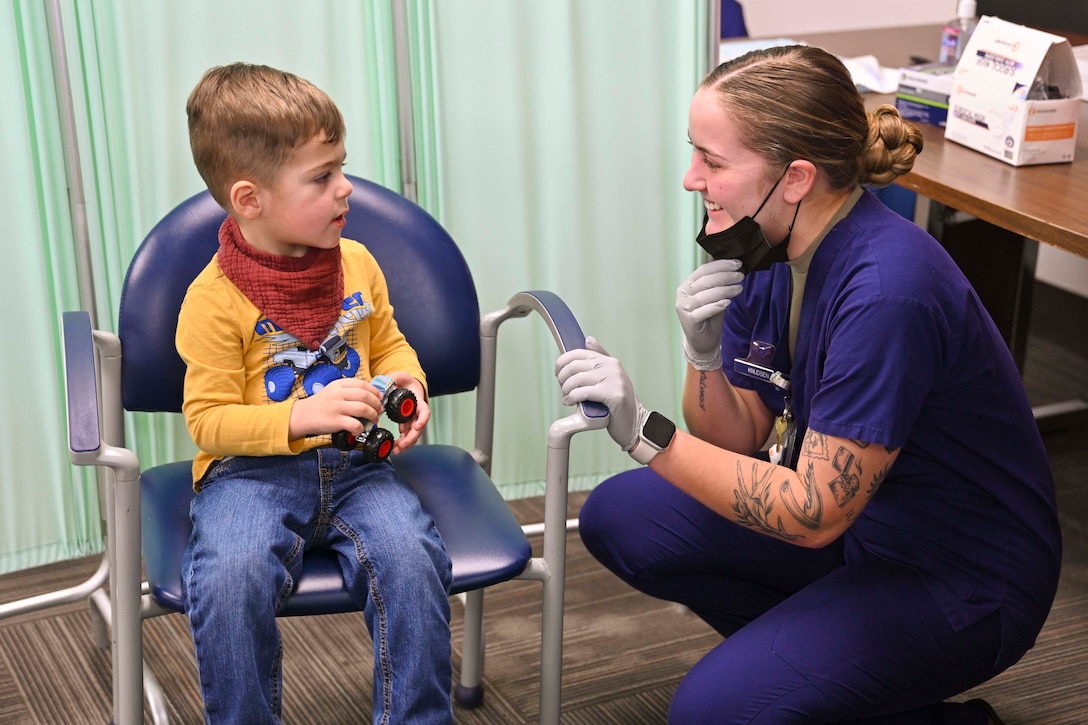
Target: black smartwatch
655,436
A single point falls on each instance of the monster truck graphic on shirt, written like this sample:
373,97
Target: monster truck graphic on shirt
292,363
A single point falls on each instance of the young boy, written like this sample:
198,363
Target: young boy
281,333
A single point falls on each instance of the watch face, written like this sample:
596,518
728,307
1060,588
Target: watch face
658,430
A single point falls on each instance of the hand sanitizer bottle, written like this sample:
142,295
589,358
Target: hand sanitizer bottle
957,31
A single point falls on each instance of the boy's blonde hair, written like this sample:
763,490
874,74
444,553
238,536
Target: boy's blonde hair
245,120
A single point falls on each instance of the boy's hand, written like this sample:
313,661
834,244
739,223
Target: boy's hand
337,406
413,429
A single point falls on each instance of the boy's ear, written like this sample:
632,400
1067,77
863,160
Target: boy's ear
245,200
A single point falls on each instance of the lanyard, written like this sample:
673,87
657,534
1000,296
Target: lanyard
781,453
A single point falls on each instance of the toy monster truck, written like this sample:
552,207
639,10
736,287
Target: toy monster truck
377,443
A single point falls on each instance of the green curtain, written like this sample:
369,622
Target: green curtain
549,140
48,509
559,130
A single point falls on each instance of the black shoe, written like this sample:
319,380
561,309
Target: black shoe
981,704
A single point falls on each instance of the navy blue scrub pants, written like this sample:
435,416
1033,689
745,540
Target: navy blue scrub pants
809,638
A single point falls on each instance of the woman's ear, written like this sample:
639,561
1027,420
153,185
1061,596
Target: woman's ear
800,178
245,200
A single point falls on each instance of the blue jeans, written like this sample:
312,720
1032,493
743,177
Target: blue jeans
253,521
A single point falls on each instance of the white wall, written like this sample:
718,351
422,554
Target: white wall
767,18
777,18
1062,269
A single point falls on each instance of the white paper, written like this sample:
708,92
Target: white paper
869,75
1080,52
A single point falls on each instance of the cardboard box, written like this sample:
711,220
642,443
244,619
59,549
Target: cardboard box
1016,95
923,92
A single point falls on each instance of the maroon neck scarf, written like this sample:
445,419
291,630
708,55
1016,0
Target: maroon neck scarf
302,295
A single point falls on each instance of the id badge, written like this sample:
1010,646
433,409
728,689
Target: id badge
758,365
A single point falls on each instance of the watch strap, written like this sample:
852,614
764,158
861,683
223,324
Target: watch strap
655,433
643,452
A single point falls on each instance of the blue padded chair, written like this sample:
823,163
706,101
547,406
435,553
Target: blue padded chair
436,306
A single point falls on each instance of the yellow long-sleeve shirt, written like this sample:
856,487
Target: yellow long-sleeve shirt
244,373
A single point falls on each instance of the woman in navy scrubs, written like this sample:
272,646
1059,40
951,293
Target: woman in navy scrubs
898,543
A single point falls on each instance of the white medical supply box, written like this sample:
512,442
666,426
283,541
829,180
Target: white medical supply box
1016,95
923,92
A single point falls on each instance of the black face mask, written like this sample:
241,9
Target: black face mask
745,240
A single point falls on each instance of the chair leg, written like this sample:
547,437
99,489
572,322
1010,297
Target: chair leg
61,596
156,701
125,596
469,692
101,615
556,527
99,604
551,645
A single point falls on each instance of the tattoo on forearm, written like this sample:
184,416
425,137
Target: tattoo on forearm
815,445
879,477
754,505
702,390
809,509
847,483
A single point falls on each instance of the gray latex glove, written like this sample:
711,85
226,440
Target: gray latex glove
700,304
590,374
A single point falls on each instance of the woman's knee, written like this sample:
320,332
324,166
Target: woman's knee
699,700
613,510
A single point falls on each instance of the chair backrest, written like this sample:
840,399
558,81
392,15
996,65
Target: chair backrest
430,287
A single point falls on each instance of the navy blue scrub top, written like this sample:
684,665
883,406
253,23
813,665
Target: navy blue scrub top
895,348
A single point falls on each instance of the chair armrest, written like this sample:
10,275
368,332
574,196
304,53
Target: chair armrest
560,320
81,387
89,437
564,328
568,336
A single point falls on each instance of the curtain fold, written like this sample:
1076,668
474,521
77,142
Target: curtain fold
48,510
549,140
560,147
